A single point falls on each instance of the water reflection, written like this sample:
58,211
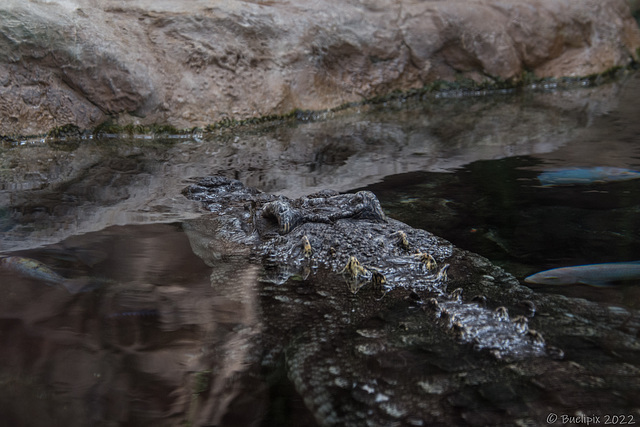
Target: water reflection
49,192
167,338
175,330
500,210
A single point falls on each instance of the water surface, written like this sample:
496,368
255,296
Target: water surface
171,333
502,210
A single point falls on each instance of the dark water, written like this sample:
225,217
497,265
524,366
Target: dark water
167,335
500,210
160,337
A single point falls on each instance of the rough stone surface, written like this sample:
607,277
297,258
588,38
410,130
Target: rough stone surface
191,63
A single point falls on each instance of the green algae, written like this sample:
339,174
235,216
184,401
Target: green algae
108,128
202,382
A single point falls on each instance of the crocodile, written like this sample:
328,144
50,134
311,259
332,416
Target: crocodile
378,323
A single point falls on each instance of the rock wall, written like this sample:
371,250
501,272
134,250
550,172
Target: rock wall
191,63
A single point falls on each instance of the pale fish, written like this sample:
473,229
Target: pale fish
586,175
34,269
591,274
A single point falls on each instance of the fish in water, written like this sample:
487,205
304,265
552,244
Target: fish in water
591,274
34,269
586,175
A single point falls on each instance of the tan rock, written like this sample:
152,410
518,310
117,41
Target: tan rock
192,63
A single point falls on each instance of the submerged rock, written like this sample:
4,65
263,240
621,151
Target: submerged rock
191,63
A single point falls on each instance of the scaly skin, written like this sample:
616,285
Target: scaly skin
385,324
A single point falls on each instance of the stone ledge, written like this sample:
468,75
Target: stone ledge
193,64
